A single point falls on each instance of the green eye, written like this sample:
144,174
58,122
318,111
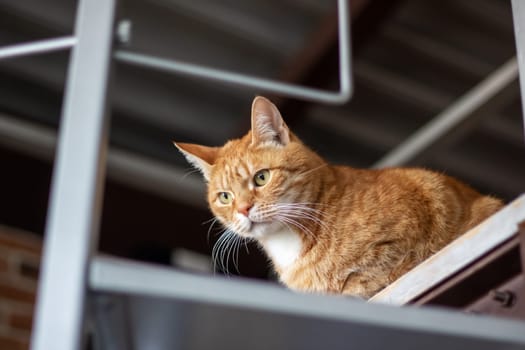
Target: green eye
225,197
261,177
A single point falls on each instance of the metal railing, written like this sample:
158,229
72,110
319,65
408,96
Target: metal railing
75,203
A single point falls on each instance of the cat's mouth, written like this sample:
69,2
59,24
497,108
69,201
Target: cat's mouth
252,228
255,225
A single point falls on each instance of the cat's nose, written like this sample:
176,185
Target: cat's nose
245,209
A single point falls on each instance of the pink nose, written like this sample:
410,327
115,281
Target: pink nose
245,209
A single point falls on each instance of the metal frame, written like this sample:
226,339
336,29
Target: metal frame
75,204
76,191
186,68
117,277
38,47
518,13
74,213
219,75
291,90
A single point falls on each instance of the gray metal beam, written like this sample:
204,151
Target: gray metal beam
268,85
78,178
37,47
364,325
451,117
518,13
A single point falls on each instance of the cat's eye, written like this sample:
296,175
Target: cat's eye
225,197
261,177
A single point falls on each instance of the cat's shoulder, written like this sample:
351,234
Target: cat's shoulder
413,173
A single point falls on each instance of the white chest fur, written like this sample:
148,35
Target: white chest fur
283,247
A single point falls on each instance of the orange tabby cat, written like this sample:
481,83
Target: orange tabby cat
331,229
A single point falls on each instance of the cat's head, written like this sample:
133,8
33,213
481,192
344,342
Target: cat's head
259,183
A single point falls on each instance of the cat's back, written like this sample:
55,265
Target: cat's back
422,192
389,220
444,194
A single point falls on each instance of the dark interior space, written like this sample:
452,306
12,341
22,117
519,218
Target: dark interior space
135,224
435,84
411,61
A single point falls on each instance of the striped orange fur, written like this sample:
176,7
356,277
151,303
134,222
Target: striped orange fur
326,228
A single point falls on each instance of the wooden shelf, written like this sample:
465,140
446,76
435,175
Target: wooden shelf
467,263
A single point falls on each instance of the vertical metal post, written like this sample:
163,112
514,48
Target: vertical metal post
74,210
518,13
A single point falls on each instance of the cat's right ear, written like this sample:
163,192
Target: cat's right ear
267,123
201,157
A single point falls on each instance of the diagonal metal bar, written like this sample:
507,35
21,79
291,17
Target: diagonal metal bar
457,113
37,47
74,209
268,85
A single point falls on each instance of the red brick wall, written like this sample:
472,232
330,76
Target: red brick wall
19,262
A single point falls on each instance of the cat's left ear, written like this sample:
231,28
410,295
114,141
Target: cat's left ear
201,157
267,123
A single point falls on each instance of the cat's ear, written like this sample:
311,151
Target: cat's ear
267,123
201,157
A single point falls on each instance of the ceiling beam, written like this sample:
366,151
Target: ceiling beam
316,64
441,53
407,90
162,179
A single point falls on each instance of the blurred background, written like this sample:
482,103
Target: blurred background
411,61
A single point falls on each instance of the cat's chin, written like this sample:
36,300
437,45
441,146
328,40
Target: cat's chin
256,230
260,229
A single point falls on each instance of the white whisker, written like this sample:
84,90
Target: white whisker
219,250
291,221
227,247
189,172
213,222
297,214
294,213
237,242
